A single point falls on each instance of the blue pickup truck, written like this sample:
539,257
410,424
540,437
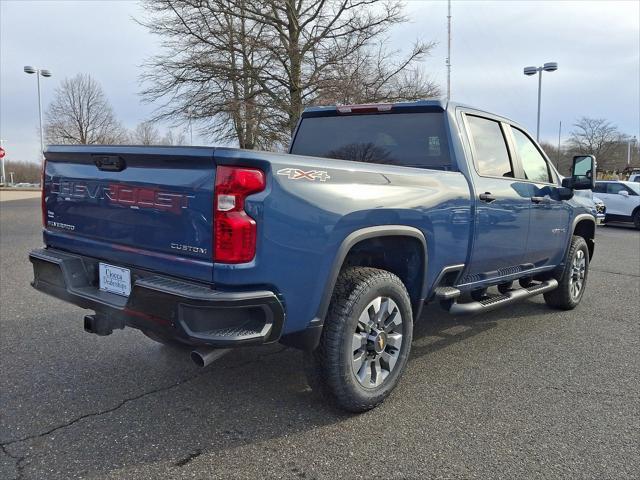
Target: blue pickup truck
332,248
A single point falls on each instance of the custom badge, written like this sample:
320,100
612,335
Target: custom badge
310,175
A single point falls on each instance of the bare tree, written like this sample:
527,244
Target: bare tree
23,171
206,75
375,75
81,114
246,68
173,138
599,137
145,133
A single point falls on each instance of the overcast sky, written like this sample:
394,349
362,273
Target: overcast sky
596,44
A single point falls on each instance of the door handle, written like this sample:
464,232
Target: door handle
487,197
109,163
538,200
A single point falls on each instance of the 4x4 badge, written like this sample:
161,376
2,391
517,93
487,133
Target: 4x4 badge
297,174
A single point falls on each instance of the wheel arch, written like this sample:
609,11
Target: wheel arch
353,252
585,226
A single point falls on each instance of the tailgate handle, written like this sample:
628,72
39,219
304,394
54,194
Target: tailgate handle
110,163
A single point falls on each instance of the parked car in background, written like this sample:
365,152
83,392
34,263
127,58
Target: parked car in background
634,177
593,203
622,200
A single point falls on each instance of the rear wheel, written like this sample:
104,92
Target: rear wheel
636,220
573,279
365,341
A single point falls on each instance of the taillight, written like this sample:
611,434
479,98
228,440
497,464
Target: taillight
43,202
234,230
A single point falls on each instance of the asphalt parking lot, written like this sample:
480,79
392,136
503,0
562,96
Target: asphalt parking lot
525,392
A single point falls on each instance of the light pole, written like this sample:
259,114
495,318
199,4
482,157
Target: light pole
547,67
631,141
45,73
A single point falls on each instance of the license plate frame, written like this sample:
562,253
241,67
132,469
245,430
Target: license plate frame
114,279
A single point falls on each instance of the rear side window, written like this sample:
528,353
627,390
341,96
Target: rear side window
616,188
533,163
408,139
490,148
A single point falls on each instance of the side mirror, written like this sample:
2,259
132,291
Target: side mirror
624,193
565,193
583,173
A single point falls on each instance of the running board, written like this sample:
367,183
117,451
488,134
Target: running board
491,303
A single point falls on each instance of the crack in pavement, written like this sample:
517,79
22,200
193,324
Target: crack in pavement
20,459
615,273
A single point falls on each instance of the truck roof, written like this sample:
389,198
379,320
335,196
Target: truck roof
434,104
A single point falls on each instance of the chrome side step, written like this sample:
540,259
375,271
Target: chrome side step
491,303
447,293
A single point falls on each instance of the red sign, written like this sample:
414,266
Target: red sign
2,152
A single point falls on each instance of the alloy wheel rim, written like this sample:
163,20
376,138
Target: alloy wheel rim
578,270
377,341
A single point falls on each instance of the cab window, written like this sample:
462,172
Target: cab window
534,164
491,155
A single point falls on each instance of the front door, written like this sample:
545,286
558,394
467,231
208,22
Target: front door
502,206
549,217
618,203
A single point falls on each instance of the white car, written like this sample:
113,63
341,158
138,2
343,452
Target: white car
622,200
597,206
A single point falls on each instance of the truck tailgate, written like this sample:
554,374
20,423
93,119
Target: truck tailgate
146,207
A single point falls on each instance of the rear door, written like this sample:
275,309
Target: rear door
618,203
502,208
549,216
145,207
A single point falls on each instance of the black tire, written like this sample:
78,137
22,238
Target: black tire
331,367
636,219
567,296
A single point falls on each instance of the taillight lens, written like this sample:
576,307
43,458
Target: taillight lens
234,230
43,202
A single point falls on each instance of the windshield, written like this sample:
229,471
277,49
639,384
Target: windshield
634,186
408,139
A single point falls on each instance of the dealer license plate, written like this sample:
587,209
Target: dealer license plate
115,279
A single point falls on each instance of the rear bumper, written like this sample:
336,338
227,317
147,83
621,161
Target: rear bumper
189,312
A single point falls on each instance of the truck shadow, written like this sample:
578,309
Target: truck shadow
436,329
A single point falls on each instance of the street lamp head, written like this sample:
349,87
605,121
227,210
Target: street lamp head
550,66
45,73
530,70
29,69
